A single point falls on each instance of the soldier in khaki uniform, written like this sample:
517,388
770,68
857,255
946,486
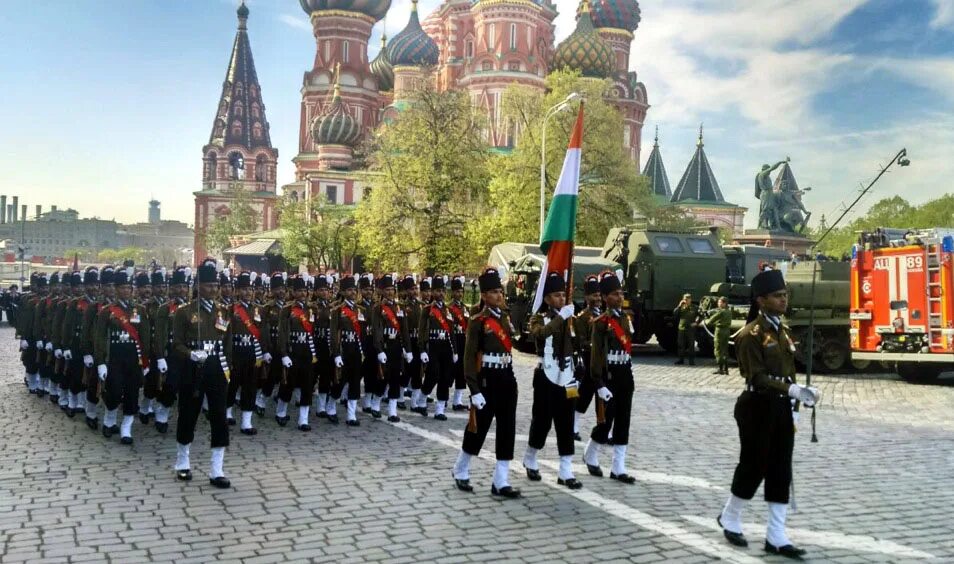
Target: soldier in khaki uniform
765,415
93,383
488,368
687,315
171,367
391,343
721,321
583,327
250,352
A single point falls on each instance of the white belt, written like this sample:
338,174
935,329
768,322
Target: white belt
243,340
349,337
618,357
494,360
440,335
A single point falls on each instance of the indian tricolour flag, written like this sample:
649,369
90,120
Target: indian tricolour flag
559,231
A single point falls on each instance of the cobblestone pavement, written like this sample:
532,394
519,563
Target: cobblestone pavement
875,488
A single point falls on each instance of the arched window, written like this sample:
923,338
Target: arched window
345,52
239,89
239,109
236,166
261,172
219,128
257,130
513,37
210,166
256,110
469,49
236,127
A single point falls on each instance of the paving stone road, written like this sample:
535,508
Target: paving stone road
875,488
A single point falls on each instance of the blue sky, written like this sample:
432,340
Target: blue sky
106,103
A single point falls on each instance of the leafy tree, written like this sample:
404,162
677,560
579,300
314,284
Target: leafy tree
241,218
321,235
432,166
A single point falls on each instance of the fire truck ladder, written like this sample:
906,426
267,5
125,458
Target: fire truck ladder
932,260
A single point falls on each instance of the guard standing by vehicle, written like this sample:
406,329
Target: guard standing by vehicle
764,414
611,369
488,367
687,314
721,321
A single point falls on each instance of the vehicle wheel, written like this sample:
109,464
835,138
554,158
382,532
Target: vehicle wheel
667,339
832,356
860,365
918,373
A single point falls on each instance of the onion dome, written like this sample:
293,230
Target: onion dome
381,68
242,10
619,14
372,8
584,50
413,47
335,126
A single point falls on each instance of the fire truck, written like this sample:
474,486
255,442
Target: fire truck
902,300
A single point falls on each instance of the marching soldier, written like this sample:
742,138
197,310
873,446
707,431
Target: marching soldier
272,311
721,320
202,337
258,289
437,350
583,327
122,355
28,340
373,384
250,352
391,343
555,388
346,344
329,389
764,414
75,346
296,345
488,367
611,369
461,317
171,367
688,315
90,342
146,300
68,289
226,292
412,372
41,329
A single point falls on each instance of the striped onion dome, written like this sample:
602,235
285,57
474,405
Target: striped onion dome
413,47
381,68
335,126
584,50
619,14
373,8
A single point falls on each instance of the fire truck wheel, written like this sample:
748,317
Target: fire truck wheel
860,365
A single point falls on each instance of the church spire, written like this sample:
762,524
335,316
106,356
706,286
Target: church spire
655,170
698,183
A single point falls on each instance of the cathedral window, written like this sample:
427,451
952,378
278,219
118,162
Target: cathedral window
236,167
486,66
491,36
257,130
239,109
513,37
514,66
469,49
345,52
261,172
256,111
332,192
210,167
236,127
219,128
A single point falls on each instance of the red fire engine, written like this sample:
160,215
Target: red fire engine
902,300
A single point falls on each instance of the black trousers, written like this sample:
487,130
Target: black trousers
28,357
273,373
326,371
150,384
167,388
413,372
373,383
76,373
394,369
244,376
123,378
458,367
587,390
499,388
351,372
551,408
620,382
767,435
45,366
301,375
198,382
439,370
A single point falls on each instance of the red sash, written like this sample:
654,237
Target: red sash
620,334
81,305
120,316
300,315
350,314
247,321
498,331
392,319
459,316
436,314
173,306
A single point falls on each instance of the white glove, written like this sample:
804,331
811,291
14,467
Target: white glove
39,344
808,396
145,371
162,365
408,357
101,371
604,393
267,357
478,401
58,353
24,345
68,354
49,347
339,362
287,362
567,311
424,358
382,358
88,360
455,358
198,356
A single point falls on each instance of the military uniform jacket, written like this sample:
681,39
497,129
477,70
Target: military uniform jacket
272,311
57,334
203,325
611,344
322,323
720,319
687,315
40,316
88,334
25,319
413,310
250,325
583,327
73,325
489,333
346,320
766,356
295,321
389,325
116,322
162,328
435,324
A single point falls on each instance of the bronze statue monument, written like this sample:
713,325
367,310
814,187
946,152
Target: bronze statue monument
780,207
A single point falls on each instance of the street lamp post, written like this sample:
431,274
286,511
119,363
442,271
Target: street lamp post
543,152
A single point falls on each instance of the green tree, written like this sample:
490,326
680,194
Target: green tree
321,235
431,183
241,218
610,189
118,256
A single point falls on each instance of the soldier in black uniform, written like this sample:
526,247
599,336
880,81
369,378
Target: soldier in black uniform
373,386
146,285
272,309
328,388
72,289
296,347
488,367
172,368
250,353
202,337
391,343
554,384
226,291
611,369
30,343
419,399
76,348
411,380
583,327
764,414
93,383
461,316
41,329
346,344
435,335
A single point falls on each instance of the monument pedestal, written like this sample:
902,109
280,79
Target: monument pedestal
791,242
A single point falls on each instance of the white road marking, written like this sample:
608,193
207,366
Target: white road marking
830,539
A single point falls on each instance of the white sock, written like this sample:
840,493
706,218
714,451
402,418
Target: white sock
91,410
246,420
576,422
344,391
31,385
109,419
182,456
322,399
367,400
162,413
352,410
530,459
591,454
64,398
259,399
71,400
331,408
81,401
228,413
303,414
215,466
205,403
296,395
619,459
376,403
502,474
415,398
566,467
392,408
775,531
458,397
439,407
126,429
281,410
732,514
462,466
145,405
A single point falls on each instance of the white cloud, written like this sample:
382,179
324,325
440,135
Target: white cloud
943,14
296,21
